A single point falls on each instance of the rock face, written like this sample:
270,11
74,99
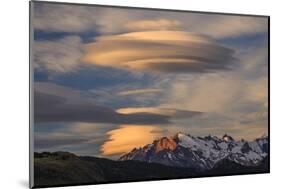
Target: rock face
165,143
201,153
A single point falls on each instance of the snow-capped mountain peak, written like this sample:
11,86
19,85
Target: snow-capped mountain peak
165,143
184,150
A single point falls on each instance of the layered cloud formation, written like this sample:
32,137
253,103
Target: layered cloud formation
163,51
61,104
54,103
71,19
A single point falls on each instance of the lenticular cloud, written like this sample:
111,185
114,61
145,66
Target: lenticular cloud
162,51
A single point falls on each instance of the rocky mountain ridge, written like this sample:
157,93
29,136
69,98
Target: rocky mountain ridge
202,153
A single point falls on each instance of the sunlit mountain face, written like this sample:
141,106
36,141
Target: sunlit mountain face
201,153
121,83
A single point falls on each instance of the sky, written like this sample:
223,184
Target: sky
107,80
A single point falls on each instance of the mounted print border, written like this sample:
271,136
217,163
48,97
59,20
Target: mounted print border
126,94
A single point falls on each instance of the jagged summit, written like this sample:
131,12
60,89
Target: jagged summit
168,143
185,150
227,138
178,135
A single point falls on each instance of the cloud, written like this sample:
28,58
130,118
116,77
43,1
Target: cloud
78,19
226,26
226,94
72,136
140,91
257,90
255,61
174,113
215,26
63,55
50,141
240,91
209,93
127,137
63,18
75,19
234,102
52,106
59,56
78,137
55,90
159,24
162,51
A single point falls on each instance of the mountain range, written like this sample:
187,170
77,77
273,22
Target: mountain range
200,153
179,156
64,168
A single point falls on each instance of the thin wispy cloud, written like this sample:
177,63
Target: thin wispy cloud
59,56
139,91
157,24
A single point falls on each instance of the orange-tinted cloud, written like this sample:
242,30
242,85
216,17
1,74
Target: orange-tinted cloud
162,51
171,112
127,137
154,110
